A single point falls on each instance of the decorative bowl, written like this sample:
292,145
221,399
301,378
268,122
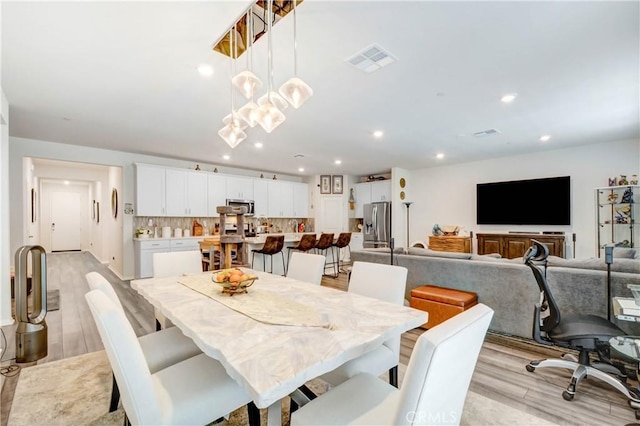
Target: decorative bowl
233,280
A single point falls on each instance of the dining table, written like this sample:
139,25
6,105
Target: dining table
281,333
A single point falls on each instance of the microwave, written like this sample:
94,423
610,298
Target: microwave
249,204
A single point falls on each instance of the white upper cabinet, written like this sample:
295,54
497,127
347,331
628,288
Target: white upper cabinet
150,190
175,192
239,188
380,190
300,200
363,196
216,193
197,192
280,199
261,197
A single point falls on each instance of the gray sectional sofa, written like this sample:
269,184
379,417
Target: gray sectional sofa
509,287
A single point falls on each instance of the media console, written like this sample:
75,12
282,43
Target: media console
512,245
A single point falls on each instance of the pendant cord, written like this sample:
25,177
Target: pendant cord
231,36
270,58
295,41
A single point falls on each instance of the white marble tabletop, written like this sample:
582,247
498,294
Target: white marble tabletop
271,361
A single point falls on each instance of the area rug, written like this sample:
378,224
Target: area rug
76,391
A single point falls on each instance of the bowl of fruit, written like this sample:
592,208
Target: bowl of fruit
233,280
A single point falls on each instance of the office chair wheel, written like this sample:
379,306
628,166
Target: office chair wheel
530,368
567,395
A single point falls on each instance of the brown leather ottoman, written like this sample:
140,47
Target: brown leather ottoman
441,303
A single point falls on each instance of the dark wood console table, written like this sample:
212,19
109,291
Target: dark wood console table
515,245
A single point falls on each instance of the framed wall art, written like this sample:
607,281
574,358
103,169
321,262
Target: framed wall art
336,184
325,184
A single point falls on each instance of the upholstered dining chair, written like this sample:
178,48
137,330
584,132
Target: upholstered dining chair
273,245
307,242
433,390
382,282
194,391
160,349
174,264
306,267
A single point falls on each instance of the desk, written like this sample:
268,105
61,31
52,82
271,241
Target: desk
270,361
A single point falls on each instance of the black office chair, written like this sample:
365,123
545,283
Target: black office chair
583,333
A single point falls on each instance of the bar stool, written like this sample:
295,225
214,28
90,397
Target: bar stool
306,243
272,245
324,243
342,242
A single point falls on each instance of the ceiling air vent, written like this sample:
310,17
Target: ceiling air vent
488,132
372,58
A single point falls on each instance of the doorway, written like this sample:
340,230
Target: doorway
65,221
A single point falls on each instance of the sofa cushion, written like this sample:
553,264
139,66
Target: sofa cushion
397,250
625,253
493,257
618,265
448,254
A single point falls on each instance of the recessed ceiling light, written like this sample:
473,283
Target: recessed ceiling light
205,70
440,156
301,169
378,134
338,162
545,138
66,182
226,157
508,98
258,144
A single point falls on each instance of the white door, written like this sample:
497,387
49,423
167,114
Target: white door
65,221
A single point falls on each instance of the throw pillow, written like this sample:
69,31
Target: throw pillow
625,253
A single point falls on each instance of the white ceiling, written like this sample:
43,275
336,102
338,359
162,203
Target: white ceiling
122,75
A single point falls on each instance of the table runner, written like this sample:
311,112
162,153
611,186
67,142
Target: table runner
258,304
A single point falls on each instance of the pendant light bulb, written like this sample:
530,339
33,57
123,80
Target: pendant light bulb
232,135
249,113
246,81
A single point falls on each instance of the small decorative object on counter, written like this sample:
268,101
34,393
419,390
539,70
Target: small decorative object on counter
623,180
197,228
142,232
301,227
436,230
352,200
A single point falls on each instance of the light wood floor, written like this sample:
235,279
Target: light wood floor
499,374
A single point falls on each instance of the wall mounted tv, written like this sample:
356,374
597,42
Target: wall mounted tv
524,202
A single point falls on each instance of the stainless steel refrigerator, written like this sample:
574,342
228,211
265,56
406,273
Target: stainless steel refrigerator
377,224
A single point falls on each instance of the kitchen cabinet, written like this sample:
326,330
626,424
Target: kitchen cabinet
216,193
239,188
261,197
280,199
300,200
150,190
184,244
357,241
186,193
144,251
371,192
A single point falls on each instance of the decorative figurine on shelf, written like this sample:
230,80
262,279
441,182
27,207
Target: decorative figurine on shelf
436,230
613,181
633,180
623,243
612,197
623,214
623,180
627,197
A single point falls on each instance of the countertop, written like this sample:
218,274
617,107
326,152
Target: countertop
288,237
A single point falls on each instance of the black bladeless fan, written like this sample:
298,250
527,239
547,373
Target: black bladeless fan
31,333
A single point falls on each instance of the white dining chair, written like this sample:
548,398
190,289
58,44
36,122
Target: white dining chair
160,349
433,390
306,267
193,391
383,282
174,264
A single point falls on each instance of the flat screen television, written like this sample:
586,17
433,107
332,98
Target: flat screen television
544,201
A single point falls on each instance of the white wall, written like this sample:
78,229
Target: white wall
5,250
447,195
20,148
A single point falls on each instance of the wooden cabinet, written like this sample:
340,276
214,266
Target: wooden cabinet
515,245
216,193
452,243
150,190
239,188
